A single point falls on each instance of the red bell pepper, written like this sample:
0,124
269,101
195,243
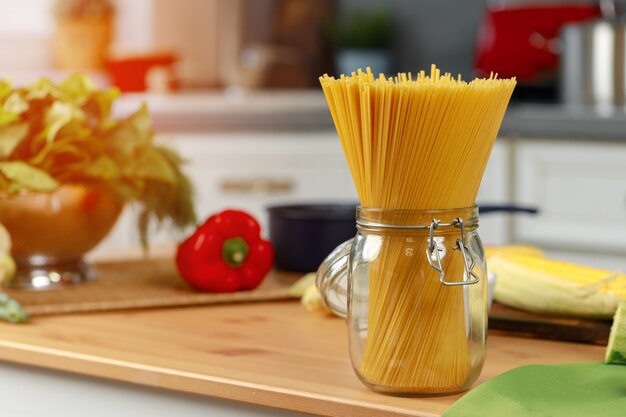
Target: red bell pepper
225,254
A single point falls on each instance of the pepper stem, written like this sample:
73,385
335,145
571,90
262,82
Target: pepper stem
235,252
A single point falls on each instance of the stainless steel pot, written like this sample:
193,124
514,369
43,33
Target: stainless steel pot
593,61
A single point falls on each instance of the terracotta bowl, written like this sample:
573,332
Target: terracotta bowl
52,231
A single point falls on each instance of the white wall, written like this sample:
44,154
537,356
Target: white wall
27,25
187,27
29,18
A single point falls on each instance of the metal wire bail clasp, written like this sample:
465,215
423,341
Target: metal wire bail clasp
432,252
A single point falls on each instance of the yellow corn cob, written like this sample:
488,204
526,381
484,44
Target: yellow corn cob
309,296
491,251
312,300
298,288
546,285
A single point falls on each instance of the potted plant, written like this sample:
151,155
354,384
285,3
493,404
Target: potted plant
362,39
67,169
83,33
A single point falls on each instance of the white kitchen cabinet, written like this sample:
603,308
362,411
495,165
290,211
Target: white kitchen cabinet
580,189
495,188
251,171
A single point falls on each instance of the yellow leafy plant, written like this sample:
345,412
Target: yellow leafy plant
53,134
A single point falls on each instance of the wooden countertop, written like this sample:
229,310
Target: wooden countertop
272,354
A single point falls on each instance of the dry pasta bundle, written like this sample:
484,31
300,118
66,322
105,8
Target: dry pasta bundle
419,144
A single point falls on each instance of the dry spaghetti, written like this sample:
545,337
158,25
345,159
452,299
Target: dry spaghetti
415,143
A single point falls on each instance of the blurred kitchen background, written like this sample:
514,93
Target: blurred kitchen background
217,43
233,85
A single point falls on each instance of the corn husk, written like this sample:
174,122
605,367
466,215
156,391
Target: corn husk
545,285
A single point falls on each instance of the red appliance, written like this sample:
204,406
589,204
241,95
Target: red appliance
147,72
521,40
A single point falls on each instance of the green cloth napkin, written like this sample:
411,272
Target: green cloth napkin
569,390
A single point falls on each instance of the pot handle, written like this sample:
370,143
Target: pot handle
332,279
506,208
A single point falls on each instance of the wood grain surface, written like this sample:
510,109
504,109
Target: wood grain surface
141,284
272,354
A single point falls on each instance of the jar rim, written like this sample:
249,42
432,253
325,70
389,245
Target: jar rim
381,218
434,210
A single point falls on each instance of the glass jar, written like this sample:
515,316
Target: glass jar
412,285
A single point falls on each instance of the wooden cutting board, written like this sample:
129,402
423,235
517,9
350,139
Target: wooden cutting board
154,283
525,324
141,284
